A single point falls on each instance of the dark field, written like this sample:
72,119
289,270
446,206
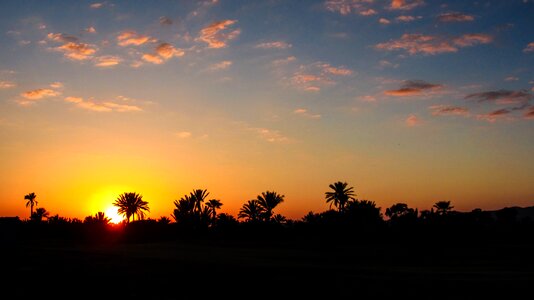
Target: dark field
192,269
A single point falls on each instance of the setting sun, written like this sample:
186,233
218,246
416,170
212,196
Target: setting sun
112,213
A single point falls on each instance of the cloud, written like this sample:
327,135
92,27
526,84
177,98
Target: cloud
443,110
312,77
283,61
529,113
163,52
97,5
405,4
406,18
428,44
7,84
216,34
502,97
152,58
183,134
413,88
38,94
367,98
384,21
56,85
412,120
90,29
165,21
77,51
107,61
368,12
107,106
271,136
168,51
128,38
495,115
274,45
225,64
62,38
472,39
455,17
304,113
511,78
529,48
387,64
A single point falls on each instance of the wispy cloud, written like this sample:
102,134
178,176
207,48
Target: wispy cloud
502,97
152,58
216,34
455,17
529,48
165,20
283,61
107,61
57,85
428,44
347,7
96,5
305,113
405,4
90,29
529,113
511,78
413,88
312,77
269,135
412,120
104,106
183,134
407,19
384,21
163,52
77,51
444,110
225,64
7,84
274,45
38,94
62,38
495,115
132,38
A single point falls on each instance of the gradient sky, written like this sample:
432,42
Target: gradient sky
407,101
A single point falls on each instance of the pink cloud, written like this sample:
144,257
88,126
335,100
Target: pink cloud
225,64
215,36
275,45
38,94
529,114
152,58
305,113
529,47
107,106
168,51
62,38
7,85
413,88
455,17
442,110
428,44
495,115
77,51
405,4
129,38
384,21
405,18
412,120
107,61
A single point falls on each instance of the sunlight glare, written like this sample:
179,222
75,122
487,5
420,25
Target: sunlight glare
112,213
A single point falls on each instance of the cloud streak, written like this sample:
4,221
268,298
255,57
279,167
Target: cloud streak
132,38
39,94
413,88
303,112
217,35
447,110
431,45
105,106
502,97
455,17
273,45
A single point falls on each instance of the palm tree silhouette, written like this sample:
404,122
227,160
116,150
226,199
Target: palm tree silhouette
39,214
251,211
400,210
198,196
268,201
340,196
213,205
443,207
130,205
31,202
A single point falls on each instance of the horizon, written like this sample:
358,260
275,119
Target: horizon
407,101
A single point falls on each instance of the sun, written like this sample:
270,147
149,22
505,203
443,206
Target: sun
112,213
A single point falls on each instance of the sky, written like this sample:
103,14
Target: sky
406,101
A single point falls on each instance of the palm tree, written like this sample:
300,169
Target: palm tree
268,201
213,205
39,214
130,205
400,210
31,201
251,211
198,196
443,207
340,196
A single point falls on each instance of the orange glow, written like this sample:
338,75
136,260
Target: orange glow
112,213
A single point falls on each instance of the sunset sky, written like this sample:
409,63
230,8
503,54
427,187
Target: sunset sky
407,101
